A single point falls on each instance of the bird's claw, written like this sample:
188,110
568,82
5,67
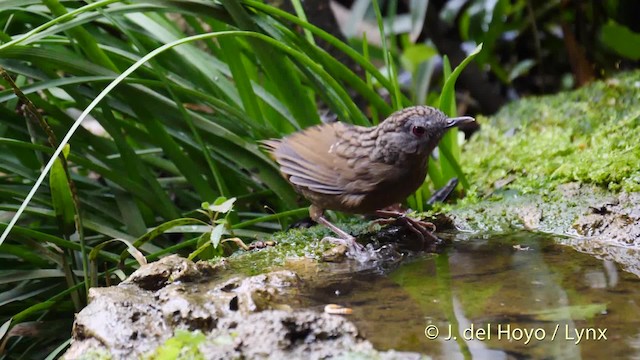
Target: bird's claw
423,229
354,250
351,243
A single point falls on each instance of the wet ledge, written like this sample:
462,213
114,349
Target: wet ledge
176,307
565,164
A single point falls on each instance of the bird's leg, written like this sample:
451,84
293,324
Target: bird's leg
317,215
345,238
423,229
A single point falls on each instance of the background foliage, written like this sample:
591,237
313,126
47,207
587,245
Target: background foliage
181,90
172,125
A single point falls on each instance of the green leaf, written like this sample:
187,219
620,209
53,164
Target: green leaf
46,305
56,353
61,197
449,143
21,275
447,96
278,68
416,54
216,235
224,207
521,68
621,40
130,248
22,292
184,344
367,65
86,41
5,328
297,5
161,229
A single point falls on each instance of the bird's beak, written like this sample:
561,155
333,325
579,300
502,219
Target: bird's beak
451,122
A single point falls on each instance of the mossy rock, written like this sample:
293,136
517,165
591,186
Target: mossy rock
589,136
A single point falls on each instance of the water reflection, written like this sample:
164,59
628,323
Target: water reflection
502,297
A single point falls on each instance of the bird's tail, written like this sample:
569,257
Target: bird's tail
270,146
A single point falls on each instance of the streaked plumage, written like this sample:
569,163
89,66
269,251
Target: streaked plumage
356,169
362,170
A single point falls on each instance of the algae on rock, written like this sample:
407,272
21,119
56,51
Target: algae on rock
590,136
566,164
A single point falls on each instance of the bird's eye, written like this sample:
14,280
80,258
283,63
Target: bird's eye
418,131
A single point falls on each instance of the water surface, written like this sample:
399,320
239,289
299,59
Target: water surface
499,297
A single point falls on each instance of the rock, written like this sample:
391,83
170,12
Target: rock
531,216
284,334
617,220
174,306
171,269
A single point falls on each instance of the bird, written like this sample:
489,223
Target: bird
361,170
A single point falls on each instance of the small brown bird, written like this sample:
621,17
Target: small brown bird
361,170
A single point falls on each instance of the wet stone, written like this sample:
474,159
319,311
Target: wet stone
237,317
171,269
617,220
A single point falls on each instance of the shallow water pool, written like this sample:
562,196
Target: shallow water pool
515,296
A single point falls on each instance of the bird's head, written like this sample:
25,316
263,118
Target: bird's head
418,129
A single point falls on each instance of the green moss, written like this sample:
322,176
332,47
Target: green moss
183,345
589,136
294,243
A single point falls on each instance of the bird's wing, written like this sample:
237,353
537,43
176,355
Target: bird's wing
330,159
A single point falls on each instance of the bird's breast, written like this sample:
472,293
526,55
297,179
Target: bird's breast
391,187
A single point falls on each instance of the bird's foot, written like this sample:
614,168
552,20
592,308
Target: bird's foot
350,243
423,229
352,249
